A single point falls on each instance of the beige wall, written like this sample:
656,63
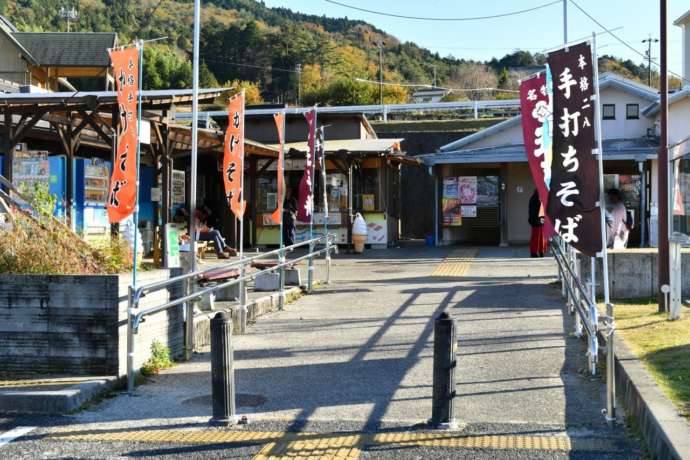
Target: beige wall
621,127
12,66
509,136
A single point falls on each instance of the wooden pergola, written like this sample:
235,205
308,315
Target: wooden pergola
85,123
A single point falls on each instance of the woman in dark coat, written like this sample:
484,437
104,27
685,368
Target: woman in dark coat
289,221
537,243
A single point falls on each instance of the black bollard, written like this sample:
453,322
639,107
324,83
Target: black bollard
445,348
222,370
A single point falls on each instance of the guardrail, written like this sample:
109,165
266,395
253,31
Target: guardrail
582,301
135,314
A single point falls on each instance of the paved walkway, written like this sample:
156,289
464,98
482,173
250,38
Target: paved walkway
347,371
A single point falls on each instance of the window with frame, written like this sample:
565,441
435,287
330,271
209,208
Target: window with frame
608,111
632,111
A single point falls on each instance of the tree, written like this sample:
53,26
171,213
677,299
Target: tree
503,78
472,76
252,93
165,68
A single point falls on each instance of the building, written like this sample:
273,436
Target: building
493,163
432,94
45,61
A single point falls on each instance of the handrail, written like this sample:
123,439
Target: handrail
135,314
586,320
584,294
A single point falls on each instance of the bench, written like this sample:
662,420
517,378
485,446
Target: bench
217,276
271,281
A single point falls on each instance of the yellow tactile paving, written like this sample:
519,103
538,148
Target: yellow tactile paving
5,383
285,445
456,264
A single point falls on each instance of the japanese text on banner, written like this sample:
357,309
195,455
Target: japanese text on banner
233,157
306,184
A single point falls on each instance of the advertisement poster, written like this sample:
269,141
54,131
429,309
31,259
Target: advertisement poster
30,168
468,211
487,191
178,187
467,189
452,217
450,187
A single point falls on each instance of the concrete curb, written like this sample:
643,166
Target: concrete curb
666,433
53,402
255,309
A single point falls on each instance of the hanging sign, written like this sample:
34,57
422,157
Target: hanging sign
574,189
536,109
233,155
277,215
305,208
122,196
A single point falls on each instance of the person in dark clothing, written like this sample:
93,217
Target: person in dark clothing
289,221
537,243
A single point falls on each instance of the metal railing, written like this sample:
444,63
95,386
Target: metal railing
582,301
135,315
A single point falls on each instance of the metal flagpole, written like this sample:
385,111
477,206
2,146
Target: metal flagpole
243,286
189,310
310,269
610,371
325,204
281,197
140,46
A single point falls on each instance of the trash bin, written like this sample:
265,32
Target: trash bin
430,240
359,233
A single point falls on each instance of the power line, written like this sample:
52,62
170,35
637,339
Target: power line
421,18
422,85
238,64
628,45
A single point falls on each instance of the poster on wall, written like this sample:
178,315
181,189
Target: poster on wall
450,187
452,216
178,187
487,191
467,189
468,211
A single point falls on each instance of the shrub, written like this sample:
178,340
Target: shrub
159,360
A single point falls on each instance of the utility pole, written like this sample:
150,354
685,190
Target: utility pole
68,14
299,84
664,268
381,72
649,42
565,22
434,75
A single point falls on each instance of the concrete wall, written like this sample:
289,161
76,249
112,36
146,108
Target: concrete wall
519,188
633,273
77,324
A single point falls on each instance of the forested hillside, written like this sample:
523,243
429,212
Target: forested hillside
245,41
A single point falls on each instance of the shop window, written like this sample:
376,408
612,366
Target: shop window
632,111
608,111
368,190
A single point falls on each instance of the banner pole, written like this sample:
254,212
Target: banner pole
310,268
281,197
243,286
324,176
610,371
140,46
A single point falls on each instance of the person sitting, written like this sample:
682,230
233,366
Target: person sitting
206,233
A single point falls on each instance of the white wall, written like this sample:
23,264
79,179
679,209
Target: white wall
679,121
519,188
621,127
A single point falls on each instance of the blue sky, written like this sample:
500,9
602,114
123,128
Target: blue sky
534,31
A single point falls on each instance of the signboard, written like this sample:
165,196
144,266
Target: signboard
574,187
172,247
178,187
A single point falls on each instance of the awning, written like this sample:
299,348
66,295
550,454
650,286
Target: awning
361,146
640,149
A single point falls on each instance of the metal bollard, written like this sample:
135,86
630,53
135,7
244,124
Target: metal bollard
222,370
445,362
610,366
328,260
281,282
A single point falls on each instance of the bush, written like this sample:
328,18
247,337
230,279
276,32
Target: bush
159,360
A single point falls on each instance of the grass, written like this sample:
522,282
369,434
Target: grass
663,346
159,360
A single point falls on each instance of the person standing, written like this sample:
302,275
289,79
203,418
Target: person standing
289,221
616,221
538,244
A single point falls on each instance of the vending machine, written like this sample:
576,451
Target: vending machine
91,181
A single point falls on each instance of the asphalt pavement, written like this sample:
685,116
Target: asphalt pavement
346,373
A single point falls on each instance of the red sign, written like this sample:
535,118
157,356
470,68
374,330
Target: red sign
233,158
305,209
122,197
277,215
534,106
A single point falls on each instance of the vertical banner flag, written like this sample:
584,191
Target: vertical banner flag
279,118
233,158
306,184
321,154
535,110
122,197
574,191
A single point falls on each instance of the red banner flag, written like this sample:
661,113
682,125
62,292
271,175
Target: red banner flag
277,215
123,182
535,110
306,185
574,191
233,158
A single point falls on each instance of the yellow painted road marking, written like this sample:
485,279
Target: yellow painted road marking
286,445
456,264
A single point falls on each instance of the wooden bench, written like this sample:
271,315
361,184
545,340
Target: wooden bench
221,275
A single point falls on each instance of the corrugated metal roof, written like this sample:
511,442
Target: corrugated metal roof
68,49
637,149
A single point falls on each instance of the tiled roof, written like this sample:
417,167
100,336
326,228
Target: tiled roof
73,49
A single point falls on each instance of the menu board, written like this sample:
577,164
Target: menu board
30,168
